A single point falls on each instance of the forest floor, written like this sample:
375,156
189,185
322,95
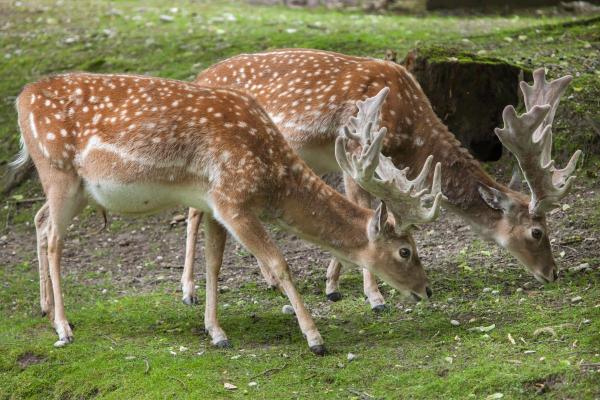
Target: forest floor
134,337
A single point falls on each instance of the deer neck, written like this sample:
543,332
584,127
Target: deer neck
461,173
316,212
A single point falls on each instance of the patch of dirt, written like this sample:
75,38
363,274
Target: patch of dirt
29,358
137,254
545,385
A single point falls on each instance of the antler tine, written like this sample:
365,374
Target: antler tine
409,195
361,127
403,196
529,138
361,168
544,92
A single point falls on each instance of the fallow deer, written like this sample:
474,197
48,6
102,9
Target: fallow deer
308,94
135,145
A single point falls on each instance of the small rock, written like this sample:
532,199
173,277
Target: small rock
129,358
495,396
408,310
229,386
182,349
587,321
519,290
449,360
167,18
291,30
454,322
352,356
179,217
495,292
529,352
576,299
252,384
487,289
287,309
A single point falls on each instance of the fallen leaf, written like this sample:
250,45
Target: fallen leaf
511,340
483,328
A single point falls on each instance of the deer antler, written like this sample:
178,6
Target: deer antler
403,196
529,138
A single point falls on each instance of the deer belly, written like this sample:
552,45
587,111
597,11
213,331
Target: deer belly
143,198
320,158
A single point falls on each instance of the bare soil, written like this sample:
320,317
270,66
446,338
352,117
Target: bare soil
136,254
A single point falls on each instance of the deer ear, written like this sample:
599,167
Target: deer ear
378,223
494,198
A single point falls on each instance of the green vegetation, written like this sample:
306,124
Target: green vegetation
130,346
144,343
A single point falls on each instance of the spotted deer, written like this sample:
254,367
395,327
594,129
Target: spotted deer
135,145
308,94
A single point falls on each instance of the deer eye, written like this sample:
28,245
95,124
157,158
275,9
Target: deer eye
404,252
536,233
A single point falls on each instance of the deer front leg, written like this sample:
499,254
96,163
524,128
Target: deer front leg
187,278
359,196
41,227
214,246
65,199
333,280
250,232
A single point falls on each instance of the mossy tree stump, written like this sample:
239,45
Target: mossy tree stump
468,93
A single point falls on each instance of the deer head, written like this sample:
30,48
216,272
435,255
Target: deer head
522,229
377,174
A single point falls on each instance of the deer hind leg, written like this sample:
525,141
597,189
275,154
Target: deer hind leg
371,290
250,232
215,237
272,282
187,278
65,200
41,227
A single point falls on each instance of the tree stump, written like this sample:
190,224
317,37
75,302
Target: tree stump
468,93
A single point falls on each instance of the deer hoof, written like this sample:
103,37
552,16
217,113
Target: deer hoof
190,300
62,342
223,344
334,296
318,349
378,309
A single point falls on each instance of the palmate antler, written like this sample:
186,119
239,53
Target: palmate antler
529,138
377,174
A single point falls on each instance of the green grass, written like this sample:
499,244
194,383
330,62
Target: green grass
123,343
128,36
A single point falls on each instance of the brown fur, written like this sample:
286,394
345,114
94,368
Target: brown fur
102,137
310,94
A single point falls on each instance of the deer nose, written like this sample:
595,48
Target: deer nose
429,292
